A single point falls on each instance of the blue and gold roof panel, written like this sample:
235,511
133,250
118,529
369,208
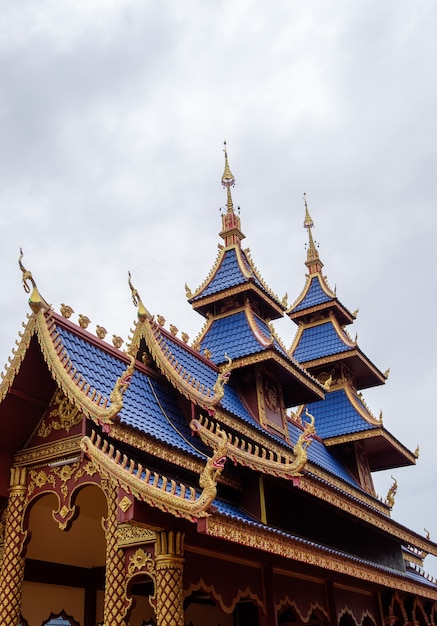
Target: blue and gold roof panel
313,295
337,415
322,340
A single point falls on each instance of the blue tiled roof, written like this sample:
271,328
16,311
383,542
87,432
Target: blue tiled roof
100,368
335,415
148,405
195,365
232,335
228,275
314,296
319,341
151,405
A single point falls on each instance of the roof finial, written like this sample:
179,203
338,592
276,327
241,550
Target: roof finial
313,261
231,228
228,181
36,301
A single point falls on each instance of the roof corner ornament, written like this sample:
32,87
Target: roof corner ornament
417,452
284,300
387,373
303,442
390,499
222,379
188,291
120,387
36,301
142,312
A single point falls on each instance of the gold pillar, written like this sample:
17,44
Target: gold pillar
116,601
12,572
169,570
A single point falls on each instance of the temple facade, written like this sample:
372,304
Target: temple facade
223,482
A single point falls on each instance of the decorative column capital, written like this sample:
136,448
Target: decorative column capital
17,483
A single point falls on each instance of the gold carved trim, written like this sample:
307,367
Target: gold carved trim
226,608
290,548
49,451
133,534
14,362
179,500
323,284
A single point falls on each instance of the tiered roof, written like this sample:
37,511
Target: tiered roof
140,408
325,348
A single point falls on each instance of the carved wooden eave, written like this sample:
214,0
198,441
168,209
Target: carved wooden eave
324,486
156,338
260,537
403,455
155,489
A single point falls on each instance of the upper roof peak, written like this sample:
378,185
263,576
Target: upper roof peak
313,261
231,227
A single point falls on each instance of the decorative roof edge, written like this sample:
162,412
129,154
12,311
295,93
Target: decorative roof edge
197,292
121,469
155,337
91,402
258,459
278,542
13,366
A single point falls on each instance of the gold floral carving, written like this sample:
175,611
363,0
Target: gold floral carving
131,534
250,455
60,480
141,560
179,500
63,415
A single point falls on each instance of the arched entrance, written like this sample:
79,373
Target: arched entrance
64,569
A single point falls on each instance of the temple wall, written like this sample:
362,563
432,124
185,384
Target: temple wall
37,597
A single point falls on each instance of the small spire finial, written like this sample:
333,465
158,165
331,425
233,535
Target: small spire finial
231,231
228,181
313,261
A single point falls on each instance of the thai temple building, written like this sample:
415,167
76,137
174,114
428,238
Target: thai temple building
222,482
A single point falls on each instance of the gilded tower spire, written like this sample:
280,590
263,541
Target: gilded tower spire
313,261
231,228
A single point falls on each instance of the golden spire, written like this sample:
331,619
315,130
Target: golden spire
231,231
313,261
228,181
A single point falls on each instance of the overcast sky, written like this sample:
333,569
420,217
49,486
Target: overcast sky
113,116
